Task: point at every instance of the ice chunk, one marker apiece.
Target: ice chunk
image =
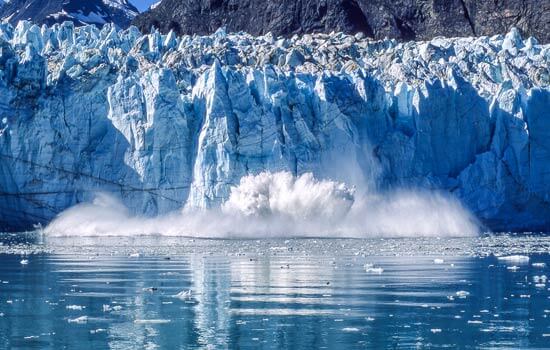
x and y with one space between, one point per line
75 307
515 258
370 268
81 319
183 295
151 321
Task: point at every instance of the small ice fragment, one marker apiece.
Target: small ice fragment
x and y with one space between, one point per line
1 314
462 294
513 268
106 308
99 330
540 285
80 320
350 329
539 265
439 261
31 337
4 120
540 279
152 321
24 262
435 330
515 258
369 268
475 322
183 295
74 307
117 308
134 255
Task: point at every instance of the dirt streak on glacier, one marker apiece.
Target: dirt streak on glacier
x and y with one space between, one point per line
164 122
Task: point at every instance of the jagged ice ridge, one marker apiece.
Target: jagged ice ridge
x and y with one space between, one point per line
165 122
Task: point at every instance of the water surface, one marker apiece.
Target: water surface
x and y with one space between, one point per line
181 293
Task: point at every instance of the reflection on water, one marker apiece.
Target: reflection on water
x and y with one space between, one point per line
298 294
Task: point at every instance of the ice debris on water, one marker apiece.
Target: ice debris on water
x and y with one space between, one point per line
75 307
370 268
24 262
183 295
539 265
152 321
515 258
81 319
462 294
350 329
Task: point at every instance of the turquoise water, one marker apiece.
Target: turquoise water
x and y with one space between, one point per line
180 293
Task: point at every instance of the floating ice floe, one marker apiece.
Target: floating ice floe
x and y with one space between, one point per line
152 321
350 329
183 295
81 319
75 307
370 268
515 258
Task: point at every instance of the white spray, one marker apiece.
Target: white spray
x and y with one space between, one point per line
282 205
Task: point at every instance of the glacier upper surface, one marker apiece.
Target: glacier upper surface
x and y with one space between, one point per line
165 122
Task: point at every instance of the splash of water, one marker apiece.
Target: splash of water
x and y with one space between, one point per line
281 205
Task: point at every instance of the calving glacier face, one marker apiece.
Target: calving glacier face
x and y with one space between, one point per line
166 122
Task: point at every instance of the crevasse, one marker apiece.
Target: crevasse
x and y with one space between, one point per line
165 122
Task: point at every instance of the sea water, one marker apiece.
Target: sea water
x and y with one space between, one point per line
183 293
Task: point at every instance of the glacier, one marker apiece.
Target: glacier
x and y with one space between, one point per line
164 122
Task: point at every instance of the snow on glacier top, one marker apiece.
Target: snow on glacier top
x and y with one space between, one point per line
484 61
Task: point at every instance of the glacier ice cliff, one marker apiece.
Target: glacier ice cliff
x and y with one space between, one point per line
164 122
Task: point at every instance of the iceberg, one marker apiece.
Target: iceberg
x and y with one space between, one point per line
163 122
